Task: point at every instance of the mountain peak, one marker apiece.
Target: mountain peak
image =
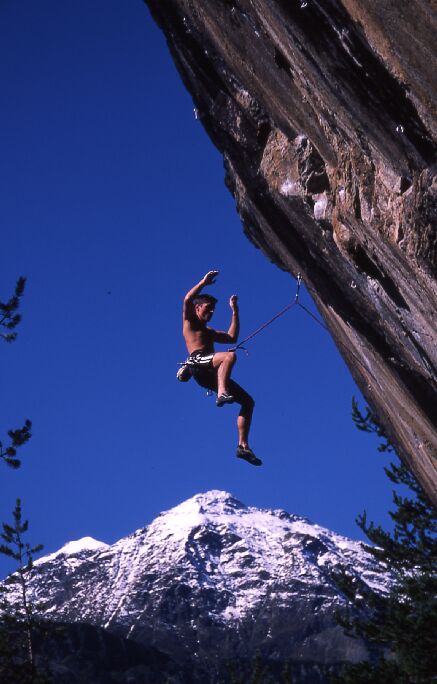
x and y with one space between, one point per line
75 547
217 499
192 582
196 511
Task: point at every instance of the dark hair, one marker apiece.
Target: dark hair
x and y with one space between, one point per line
203 299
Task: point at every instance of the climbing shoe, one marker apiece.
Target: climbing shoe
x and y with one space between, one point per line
224 399
247 455
184 373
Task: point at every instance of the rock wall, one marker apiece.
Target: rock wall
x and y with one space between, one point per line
324 112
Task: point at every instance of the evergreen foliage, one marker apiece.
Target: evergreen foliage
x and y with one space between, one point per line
9 318
17 664
18 622
402 625
369 423
17 438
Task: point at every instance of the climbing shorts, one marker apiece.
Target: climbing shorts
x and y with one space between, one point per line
199 360
198 365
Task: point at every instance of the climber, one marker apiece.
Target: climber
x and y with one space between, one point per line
211 369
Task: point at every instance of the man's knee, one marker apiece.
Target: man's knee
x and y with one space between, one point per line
231 357
241 396
248 403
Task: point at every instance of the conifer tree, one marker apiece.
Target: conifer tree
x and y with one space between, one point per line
402 623
9 319
18 614
16 625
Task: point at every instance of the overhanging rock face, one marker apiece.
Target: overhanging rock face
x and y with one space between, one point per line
324 113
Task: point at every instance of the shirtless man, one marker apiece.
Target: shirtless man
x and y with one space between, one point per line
213 369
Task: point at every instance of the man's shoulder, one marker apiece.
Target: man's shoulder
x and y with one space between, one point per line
188 304
192 324
190 320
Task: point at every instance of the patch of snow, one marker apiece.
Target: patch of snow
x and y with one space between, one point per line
73 548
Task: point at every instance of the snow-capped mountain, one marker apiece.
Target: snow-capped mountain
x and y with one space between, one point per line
212 579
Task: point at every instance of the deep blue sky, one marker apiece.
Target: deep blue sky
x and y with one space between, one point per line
113 205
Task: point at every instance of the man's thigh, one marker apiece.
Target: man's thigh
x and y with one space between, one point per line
218 358
206 377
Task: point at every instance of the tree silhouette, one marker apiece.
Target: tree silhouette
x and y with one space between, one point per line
18 609
402 624
9 319
17 662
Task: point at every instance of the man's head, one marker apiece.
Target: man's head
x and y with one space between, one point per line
204 306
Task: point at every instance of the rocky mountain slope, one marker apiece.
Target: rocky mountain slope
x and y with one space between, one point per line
210 581
325 113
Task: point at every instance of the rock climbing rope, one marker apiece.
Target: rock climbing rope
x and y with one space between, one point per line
296 302
241 344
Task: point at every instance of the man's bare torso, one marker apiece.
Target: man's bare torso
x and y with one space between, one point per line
198 336
198 312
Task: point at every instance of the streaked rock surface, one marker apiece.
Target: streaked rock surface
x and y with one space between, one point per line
325 113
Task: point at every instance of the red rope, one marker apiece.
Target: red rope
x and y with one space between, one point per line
264 325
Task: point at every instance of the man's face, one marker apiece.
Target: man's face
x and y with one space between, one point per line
204 311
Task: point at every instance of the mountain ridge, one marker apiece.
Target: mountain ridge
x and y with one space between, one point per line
212 580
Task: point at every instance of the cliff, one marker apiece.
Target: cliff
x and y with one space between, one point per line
324 114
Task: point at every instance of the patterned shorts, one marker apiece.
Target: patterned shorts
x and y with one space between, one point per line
200 360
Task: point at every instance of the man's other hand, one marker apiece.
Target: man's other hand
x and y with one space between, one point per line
233 303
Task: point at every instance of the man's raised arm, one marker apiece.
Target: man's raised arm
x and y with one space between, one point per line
234 328
208 279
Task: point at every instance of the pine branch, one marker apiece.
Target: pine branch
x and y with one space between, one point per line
369 423
9 318
17 438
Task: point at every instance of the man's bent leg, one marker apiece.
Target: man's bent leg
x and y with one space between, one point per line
224 362
243 423
244 419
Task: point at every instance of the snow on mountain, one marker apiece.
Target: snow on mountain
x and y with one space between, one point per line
212 577
74 548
